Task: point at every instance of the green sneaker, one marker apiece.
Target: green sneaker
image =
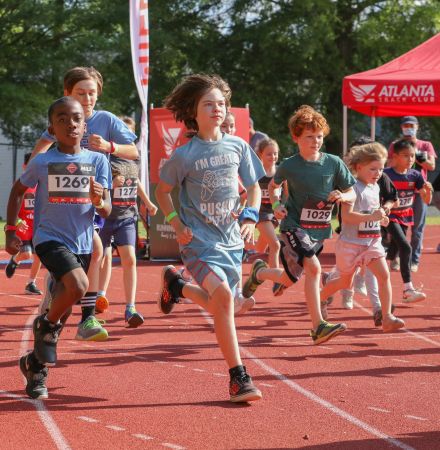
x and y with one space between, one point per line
252 283
91 330
326 331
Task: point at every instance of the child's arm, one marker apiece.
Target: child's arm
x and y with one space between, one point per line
163 197
151 207
426 192
253 201
42 146
100 198
126 151
347 196
279 209
355 218
13 242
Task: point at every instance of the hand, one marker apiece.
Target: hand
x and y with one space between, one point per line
152 210
96 191
385 221
335 196
247 231
184 234
280 212
22 227
378 215
96 142
13 243
118 181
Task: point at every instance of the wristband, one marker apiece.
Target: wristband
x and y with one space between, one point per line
10 228
276 204
114 148
100 205
249 213
171 216
19 221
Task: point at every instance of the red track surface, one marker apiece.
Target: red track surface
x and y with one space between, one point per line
164 385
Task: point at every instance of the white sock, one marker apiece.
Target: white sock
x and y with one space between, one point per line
407 286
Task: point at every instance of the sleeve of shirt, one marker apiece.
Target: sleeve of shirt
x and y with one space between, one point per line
343 178
420 181
430 149
29 177
173 172
280 176
120 133
250 168
387 190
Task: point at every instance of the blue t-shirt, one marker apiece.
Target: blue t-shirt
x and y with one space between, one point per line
207 174
104 124
63 210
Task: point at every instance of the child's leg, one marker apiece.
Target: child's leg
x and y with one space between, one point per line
105 271
398 234
22 256
128 262
340 281
379 269
95 263
372 289
35 267
267 231
261 244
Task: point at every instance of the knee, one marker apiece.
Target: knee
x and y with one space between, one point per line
275 245
79 287
312 267
223 298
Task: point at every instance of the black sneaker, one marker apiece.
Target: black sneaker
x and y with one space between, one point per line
166 300
10 268
45 340
31 288
242 389
377 316
35 381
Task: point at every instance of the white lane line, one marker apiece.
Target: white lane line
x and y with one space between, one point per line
315 398
115 428
415 417
400 360
375 356
173 446
266 384
87 419
178 365
144 437
378 409
217 374
199 370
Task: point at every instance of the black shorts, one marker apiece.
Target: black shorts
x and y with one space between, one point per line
59 260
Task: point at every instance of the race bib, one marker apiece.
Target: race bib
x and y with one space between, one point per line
29 201
369 229
316 214
69 182
126 195
406 199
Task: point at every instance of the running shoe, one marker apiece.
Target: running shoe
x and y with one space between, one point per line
392 323
31 288
395 264
35 381
414 267
132 317
10 268
326 331
166 300
347 298
101 304
242 389
377 316
45 340
252 283
278 289
242 304
91 330
413 296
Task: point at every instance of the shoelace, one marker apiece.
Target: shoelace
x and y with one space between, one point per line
91 323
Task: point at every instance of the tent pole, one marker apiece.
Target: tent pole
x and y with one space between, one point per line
373 124
344 129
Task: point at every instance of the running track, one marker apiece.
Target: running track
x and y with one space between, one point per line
164 385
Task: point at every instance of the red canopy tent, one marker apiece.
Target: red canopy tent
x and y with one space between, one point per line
407 85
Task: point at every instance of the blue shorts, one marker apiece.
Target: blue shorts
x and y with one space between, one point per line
123 231
225 264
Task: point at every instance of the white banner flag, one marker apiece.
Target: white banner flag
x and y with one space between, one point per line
140 52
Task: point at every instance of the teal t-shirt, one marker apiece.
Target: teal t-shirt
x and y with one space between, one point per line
309 184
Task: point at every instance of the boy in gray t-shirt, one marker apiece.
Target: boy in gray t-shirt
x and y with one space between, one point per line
211 240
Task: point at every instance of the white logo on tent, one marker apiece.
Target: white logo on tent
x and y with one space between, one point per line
362 93
170 138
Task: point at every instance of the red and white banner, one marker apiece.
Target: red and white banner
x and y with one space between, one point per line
140 46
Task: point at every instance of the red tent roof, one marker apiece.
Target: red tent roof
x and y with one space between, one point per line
407 85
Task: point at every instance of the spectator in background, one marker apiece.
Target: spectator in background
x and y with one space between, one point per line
425 161
255 136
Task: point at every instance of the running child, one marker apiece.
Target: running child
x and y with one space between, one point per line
121 226
211 242
104 133
407 181
25 226
312 178
359 243
71 185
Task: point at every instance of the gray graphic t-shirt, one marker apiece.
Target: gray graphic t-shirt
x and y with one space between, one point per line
207 174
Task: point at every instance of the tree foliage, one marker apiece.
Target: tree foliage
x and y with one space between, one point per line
276 54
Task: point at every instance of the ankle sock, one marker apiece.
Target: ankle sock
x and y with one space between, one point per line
88 303
100 294
407 286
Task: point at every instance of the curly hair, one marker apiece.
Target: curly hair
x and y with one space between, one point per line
306 117
184 98
364 154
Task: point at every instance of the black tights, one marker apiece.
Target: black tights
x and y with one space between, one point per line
399 244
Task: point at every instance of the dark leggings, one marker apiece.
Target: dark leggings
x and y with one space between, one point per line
399 244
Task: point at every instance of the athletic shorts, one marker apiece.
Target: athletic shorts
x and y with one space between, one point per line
98 222
59 260
350 256
123 231
295 246
224 264
268 217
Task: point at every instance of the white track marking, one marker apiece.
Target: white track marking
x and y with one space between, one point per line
378 409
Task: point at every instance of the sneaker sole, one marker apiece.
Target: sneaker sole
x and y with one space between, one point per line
393 327
248 304
247 397
135 321
331 335
417 300
249 293
99 337
32 293
101 305
162 285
